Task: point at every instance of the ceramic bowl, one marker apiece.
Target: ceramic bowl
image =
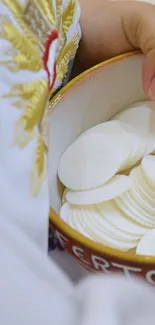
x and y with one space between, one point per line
94 97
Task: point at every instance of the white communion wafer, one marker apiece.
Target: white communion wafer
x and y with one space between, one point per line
77 223
90 162
142 193
81 221
84 227
146 245
65 211
140 181
85 222
136 147
116 186
64 196
136 144
98 222
148 169
99 234
111 212
108 227
141 116
70 215
110 127
132 210
85 219
144 204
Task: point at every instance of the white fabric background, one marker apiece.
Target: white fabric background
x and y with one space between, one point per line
68 264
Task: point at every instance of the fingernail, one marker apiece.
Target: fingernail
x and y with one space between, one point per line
151 91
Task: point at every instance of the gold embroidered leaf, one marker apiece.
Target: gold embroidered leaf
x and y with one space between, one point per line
58 11
70 48
32 98
61 41
38 171
58 4
64 57
48 9
20 62
33 113
36 107
26 30
44 126
17 11
22 137
62 70
14 6
24 91
23 63
68 15
19 104
29 56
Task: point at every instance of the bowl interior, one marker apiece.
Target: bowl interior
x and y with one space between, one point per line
96 96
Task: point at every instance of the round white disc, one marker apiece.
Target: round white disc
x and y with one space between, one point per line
113 214
116 186
146 245
90 162
100 235
64 196
132 210
144 203
110 127
140 181
104 222
148 168
140 116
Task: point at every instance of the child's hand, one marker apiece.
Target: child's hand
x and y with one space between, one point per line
111 28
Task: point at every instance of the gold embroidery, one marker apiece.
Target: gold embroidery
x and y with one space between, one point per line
33 112
63 60
58 11
65 52
24 91
68 15
25 128
61 41
32 98
38 171
19 103
28 56
37 22
17 11
14 6
48 8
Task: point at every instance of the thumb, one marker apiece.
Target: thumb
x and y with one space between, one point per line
139 27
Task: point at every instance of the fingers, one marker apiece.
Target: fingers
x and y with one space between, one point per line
110 28
138 21
139 27
149 74
102 33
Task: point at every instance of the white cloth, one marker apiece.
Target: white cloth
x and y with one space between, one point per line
28 62
34 291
